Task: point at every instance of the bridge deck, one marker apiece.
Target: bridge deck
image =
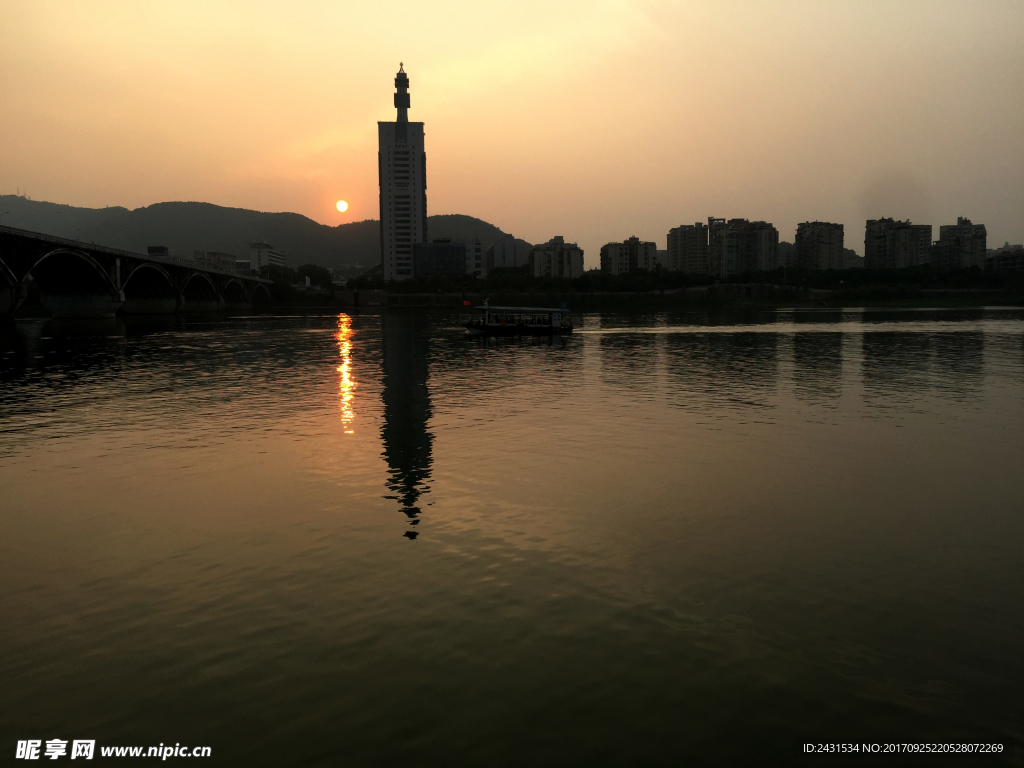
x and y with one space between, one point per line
73 278
92 247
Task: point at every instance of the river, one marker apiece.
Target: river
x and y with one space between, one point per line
670 538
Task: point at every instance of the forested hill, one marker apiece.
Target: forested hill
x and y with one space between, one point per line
189 227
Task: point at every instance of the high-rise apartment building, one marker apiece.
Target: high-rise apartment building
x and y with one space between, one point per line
961 245
629 256
556 258
716 231
402 167
738 246
893 244
738 251
688 249
876 235
819 245
766 246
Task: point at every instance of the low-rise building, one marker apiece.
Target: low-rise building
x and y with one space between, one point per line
819 245
440 257
224 262
1009 258
556 258
629 256
221 262
1005 248
263 254
438 260
474 258
502 255
851 260
163 252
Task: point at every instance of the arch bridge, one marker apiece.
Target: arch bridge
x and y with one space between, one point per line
77 279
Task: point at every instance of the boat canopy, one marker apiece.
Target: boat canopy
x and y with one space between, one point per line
522 309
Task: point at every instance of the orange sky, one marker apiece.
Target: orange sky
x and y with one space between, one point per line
593 120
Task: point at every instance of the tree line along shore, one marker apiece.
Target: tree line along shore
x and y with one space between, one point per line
913 286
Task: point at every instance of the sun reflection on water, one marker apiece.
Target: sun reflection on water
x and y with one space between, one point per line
346 384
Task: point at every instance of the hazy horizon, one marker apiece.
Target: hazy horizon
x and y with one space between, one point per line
595 122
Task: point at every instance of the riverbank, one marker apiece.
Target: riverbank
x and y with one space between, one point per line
724 294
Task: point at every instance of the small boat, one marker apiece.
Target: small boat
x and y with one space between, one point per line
520 321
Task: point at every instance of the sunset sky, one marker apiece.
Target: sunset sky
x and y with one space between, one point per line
592 120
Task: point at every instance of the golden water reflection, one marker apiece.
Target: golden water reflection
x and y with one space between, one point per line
346 384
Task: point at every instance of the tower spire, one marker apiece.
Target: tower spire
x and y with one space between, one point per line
402 94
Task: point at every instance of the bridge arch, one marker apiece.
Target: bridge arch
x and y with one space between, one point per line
200 294
74 284
145 269
259 296
67 271
234 292
149 290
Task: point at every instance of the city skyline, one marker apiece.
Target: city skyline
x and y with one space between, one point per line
275 111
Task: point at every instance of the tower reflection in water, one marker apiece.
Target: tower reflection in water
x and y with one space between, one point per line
346 384
407 442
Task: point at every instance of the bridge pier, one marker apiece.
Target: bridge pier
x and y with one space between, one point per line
10 298
12 292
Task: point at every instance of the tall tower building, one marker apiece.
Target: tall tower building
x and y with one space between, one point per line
402 166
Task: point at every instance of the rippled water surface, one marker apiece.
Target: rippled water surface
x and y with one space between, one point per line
372 540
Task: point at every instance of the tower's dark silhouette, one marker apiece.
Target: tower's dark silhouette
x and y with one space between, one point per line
402 168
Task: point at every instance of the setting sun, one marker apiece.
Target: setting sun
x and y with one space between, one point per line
342 206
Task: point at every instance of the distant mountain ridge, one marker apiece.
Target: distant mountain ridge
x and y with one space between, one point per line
189 227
